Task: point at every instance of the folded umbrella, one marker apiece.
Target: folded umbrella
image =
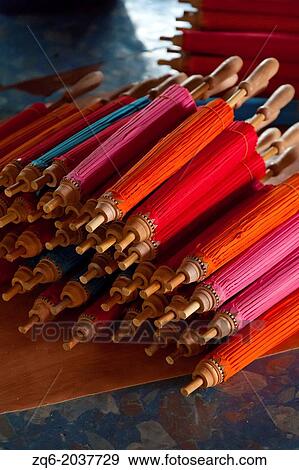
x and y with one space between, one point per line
64 164
31 159
276 284
92 321
246 268
239 229
41 311
184 196
26 133
177 149
23 118
155 121
256 339
239 21
212 43
256 6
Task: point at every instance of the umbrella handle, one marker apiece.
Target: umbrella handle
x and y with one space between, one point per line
255 82
179 78
266 139
84 85
270 110
288 139
224 71
283 161
142 88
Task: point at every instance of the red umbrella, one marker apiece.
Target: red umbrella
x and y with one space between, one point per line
238 21
211 43
22 119
281 7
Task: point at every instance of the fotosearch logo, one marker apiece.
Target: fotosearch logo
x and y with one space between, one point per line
124 331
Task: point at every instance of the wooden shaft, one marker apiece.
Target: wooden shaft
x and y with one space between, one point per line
20 251
96 222
150 290
190 309
116 298
132 287
16 188
8 218
176 281
192 386
12 292
172 358
71 344
208 335
125 242
34 281
89 275
40 182
127 262
106 244
164 319
233 100
56 241
65 303
79 222
85 245
35 216
152 349
143 316
34 319
53 204
271 152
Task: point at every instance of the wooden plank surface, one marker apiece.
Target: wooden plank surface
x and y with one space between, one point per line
37 373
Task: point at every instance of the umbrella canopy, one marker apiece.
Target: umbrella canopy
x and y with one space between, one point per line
255 340
273 286
244 44
22 119
238 230
32 154
178 201
64 164
29 131
238 21
246 268
126 146
256 6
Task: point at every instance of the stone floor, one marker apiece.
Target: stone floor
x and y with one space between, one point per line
258 409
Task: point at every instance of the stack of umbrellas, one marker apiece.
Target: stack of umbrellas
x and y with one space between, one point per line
147 211
210 29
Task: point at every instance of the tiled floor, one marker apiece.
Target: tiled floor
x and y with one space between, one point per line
258 409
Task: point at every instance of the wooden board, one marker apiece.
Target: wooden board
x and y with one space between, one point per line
40 373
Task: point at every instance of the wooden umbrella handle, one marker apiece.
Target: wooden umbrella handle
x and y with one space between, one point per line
84 85
288 139
179 78
272 107
266 139
283 161
192 82
260 77
142 88
91 81
254 83
226 69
